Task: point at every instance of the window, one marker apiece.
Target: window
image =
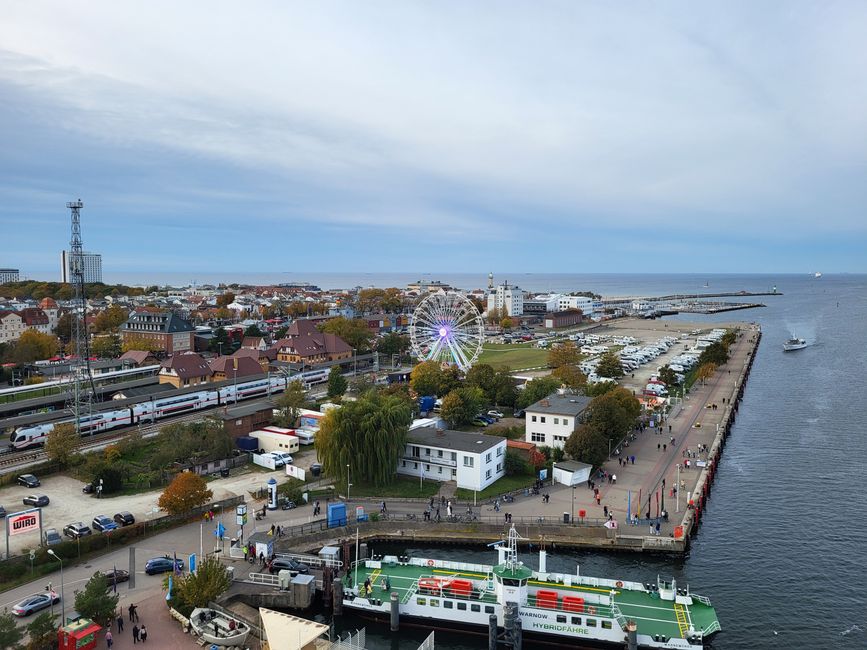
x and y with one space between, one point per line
489 609
565 422
454 456
488 457
434 602
475 608
415 465
403 463
561 618
534 418
415 452
606 625
542 419
576 620
421 601
462 605
499 451
591 622
454 473
556 420
537 437
427 451
559 438
440 453
448 604
427 468
468 461
488 474
439 470
499 467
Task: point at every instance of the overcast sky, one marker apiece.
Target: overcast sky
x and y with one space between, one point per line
460 136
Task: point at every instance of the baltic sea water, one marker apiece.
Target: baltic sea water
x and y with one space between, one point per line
783 546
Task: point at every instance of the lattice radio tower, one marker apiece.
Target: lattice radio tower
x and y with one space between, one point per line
84 391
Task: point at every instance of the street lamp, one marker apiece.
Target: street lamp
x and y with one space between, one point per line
347 482
572 514
62 600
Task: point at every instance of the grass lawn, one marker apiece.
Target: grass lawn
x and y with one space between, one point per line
517 355
505 484
402 486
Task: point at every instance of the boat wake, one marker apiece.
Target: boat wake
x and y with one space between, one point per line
854 628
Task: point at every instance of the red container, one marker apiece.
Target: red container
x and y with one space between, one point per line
573 604
461 587
547 599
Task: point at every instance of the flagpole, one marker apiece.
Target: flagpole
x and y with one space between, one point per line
356 558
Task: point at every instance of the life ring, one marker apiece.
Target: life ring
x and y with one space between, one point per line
591 609
430 562
618 584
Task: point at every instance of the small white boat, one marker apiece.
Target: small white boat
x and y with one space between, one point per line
794 343
817 274
218 628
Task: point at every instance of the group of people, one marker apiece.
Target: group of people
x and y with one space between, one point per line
139 633
367 587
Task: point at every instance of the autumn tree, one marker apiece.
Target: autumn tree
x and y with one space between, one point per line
61 443
614 413
290 403
368 435
705 371
668 376
506 323
610 365
570 376
140 343
188 490
96 601
210 580
225 299
33 345
106 347
354 331
109 320
427 378
462 405
565 354
337 383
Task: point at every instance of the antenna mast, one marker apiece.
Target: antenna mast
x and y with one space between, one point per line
84 391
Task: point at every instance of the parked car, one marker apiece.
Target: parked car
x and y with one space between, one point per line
284 455
114 576
163 565
486 418
35 603
520 413
103 524
37 500
76 530
52 537
2 512
278 459
29 481
294 566
479 422
124 518
88 488
495 414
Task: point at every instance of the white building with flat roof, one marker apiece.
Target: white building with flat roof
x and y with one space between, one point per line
473 460
510 297
91 266
551 420
8 275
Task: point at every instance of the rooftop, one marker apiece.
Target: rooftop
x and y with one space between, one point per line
555 404
455 440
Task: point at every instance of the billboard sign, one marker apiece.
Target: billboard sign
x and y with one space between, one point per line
23 522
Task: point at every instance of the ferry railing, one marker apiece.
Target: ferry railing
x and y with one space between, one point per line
264 579
618 615
310 560
704 600
710 629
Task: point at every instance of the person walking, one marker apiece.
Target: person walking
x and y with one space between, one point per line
143 633
135 634
109 639
133 612
120 622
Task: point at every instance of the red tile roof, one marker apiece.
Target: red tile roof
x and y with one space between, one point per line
236 366
304 339
188 365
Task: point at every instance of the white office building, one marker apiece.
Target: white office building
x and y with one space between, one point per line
583 303
8 275
473 460
552 420
512 298
91 262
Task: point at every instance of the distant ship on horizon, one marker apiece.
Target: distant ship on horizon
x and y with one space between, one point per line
817 274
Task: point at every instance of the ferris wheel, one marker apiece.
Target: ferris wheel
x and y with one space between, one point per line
447 327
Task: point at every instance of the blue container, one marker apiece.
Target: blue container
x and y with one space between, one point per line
247 443
336 515
426 404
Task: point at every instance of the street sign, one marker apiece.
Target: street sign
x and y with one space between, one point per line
26 521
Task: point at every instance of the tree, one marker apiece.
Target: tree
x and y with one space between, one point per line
614 413
565 354
716 353
43 632
188 490
705 371
600 388
462 405
10 633
140 343
368 435
427 378
61 443
210 580
668 376
33 345
254 331
496 314
220 341
570 376
537 389
290 403
65 326
506 323
109 320
225 299
106 347
482 376
588 445
393 343
610 365
354 331
96 602
503 391
337 383
516 464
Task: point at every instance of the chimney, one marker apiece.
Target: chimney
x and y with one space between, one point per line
545 402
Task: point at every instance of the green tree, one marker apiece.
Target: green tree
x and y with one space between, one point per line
504 392
64 327
570 376
537 389
613 414
516 464
668 376
254 331
600 388
106 347
368 435
220 341
96 601
506 323
483 376
188 490
210 580
337 383
43 632
290 403
610 365
427 378
565 354
61 443
716 353
588 445
462 405
10 633
391 344
110 320
354 331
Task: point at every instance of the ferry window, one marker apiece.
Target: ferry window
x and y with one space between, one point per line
448 604
606 625
475 608
462 605
591 622
576 620
421 601
561 618
434 602
489 609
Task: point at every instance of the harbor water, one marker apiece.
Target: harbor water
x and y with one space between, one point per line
781 548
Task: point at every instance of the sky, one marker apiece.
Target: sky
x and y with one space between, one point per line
455 136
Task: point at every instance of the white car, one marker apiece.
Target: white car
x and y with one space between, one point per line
495 414
282 458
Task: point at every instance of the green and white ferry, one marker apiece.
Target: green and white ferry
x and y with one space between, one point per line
553 608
